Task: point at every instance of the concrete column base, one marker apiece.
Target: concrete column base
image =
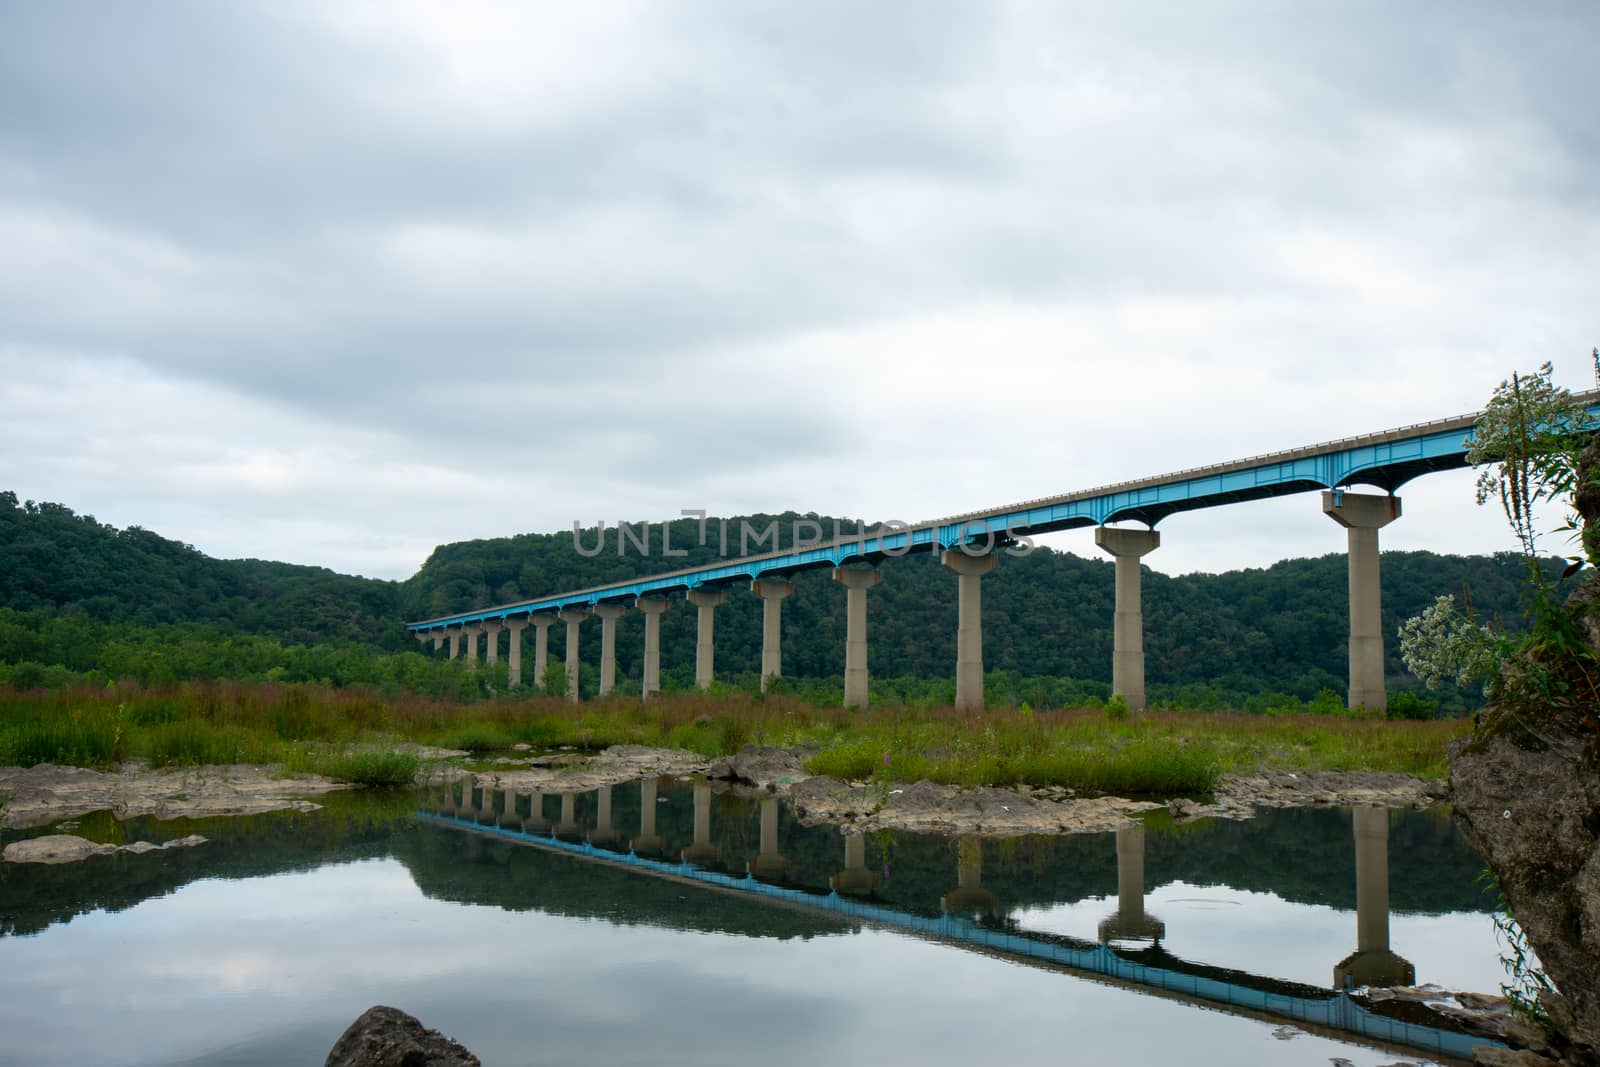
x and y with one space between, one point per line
772 593
969 624
1127 632
514 628
573 617
705 601
1363 515
609 614
856 580
652 608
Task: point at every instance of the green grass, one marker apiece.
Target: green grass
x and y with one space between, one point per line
374 767
1146 753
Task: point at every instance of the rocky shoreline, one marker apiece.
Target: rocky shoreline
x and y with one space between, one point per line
45 794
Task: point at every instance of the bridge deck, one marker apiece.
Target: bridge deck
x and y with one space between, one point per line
1386 460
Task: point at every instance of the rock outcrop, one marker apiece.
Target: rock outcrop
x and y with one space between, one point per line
388 1037
1533 813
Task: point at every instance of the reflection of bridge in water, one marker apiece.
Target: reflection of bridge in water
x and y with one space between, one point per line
1129 951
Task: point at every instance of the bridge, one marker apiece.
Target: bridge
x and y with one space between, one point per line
1127 952
970 544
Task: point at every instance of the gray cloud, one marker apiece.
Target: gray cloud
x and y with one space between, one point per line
708 252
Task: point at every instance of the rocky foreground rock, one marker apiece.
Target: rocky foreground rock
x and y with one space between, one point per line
47 793
1533 813
388 1037
69 848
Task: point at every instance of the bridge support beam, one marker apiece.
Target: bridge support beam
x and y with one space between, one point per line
573 617
469 634
1127 629
541 647
771 593
609 614
856 580
652 606
514 628
969 624
438 640
491 641
1363 515
455 643
705 602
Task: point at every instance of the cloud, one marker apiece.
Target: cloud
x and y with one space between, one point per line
381 276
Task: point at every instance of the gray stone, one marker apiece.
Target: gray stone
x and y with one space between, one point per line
388 1037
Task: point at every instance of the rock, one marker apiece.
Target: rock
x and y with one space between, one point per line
1535 818
68 848
46 794
1289 789
55 848
763 766
388 1037
1493 1056
522 746
926 807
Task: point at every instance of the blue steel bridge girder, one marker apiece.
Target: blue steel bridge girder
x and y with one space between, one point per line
1384 460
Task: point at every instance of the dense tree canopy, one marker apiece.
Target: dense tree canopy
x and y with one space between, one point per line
1280 629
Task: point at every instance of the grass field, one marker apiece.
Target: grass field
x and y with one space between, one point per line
312 728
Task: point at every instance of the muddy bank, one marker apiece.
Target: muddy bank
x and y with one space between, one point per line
47 793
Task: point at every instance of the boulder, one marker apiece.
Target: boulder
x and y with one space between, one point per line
388 1037
1533 812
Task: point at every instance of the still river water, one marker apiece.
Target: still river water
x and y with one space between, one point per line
570 930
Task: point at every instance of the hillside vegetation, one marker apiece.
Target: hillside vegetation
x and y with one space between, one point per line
80 596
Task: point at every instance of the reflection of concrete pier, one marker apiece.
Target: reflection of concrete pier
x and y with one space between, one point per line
567 825
536 822
702 851
1372 963
648 842
855 878
969 895
768 862
508 815
1130 923
603 833
486 815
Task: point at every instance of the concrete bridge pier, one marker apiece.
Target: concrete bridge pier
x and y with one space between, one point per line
1127 631
609 614
969 624
856 580
768 862
705 602
438 640
969 895
469 635
455 642
573 617
702 851
514 628
541 646
771 592
652 606
486 814
1130 922
1363 515
491 641
1373 963
648 842
855 878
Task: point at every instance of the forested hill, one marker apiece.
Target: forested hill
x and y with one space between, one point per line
1281 628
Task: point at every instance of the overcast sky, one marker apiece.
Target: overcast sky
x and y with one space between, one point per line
337 282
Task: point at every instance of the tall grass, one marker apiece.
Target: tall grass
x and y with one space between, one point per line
1151 752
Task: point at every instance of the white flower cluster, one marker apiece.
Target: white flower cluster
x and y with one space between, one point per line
1444 644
